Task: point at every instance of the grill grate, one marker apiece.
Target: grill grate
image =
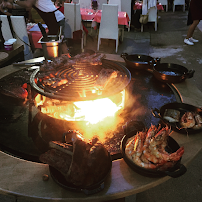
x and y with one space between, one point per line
80 79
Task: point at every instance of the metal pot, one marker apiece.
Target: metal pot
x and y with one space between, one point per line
140 61
182 107
176 171
171 73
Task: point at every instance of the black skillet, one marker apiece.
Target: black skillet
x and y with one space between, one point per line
171 73
138 61
176 171
182 107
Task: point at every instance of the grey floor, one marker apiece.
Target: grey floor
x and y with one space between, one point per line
166 43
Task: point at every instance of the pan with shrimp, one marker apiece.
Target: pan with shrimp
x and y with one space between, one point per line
182 117
153 153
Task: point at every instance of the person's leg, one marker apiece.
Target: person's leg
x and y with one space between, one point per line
192 28
189 40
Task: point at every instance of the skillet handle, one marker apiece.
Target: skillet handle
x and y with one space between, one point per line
178 172
157 60
123 55
156 113
190 73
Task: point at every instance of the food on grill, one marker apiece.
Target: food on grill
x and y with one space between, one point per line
191 120
104 77
83 163
147 149
65 61
172 115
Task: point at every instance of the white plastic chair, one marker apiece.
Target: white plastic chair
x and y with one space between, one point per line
152 17
126 7
118 2
71 24
20 31
179 2
85 3
164 3
109 24
5 28
100 2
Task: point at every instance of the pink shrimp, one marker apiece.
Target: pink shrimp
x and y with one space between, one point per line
146 151
138 147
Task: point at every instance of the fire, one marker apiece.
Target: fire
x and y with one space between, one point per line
92 111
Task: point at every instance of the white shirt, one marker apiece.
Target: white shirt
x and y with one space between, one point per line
48 6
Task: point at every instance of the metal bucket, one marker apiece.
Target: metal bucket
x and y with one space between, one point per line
51 47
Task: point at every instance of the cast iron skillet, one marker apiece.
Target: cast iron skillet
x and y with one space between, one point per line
176 171
88 190
140 61
171 73
182 107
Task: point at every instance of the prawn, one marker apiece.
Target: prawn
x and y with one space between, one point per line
138 147
158 144
187 120
146 150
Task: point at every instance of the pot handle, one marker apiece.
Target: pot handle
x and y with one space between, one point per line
157 60
123 55
156 113
190 73
178 172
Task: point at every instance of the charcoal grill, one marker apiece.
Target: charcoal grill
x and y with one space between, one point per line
81 79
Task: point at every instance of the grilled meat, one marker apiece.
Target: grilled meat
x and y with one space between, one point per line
104 77
89 159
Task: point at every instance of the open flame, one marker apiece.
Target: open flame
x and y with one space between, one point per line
91 112
93 117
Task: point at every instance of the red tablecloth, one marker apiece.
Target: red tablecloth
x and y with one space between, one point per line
90 14
139 6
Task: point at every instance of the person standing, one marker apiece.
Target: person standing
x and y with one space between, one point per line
194 17
52 17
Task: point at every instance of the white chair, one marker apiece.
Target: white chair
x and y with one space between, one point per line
126 7
100 2
72 24
164 3
109 24
85 3
118 2
5 28
179 2
152 17
20 31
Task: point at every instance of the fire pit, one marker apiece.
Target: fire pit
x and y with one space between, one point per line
38 124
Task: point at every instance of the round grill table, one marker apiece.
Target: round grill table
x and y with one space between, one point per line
23 178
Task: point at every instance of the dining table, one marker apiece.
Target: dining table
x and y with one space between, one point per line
138 6
24 179
10 56
95 16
